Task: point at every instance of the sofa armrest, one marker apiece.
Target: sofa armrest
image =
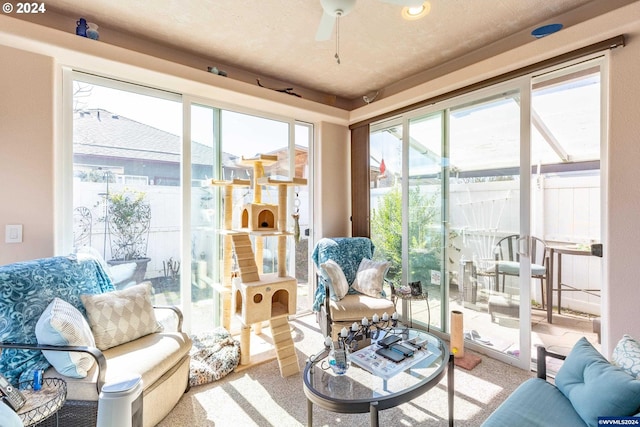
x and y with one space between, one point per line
175 309
93 351
542 361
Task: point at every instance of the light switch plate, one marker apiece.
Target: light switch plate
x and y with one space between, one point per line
13 233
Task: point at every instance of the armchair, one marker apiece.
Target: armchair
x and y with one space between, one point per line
340 309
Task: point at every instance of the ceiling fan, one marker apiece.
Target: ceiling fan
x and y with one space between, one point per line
334 9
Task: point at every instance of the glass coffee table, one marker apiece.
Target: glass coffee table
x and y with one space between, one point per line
360 391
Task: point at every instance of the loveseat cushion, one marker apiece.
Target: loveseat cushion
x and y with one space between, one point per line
535 403
26 289
354 307
150 356
595 387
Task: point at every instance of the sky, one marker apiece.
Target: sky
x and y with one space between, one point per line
242 134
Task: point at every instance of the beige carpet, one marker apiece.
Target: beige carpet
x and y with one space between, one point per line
261 397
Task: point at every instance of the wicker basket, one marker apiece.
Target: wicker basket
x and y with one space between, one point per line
43 403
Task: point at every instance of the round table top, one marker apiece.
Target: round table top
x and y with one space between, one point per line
354 391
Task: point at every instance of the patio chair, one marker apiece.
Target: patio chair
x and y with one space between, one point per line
338 308
507 262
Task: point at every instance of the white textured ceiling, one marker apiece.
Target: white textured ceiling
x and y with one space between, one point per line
276 38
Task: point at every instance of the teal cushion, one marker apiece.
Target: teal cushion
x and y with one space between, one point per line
595 387
535 403
513 268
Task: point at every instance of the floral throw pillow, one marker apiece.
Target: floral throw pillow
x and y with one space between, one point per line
626 355
370 277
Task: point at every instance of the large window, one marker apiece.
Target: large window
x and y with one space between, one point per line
136 185
126 182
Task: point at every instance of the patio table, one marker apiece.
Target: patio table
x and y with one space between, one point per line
560 249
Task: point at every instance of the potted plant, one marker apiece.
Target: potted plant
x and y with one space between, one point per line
128 216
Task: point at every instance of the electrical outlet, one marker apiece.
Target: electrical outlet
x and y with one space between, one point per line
13 233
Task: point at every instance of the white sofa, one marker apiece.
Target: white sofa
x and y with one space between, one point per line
161 358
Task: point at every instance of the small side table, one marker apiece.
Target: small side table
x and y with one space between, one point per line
409 297
43 403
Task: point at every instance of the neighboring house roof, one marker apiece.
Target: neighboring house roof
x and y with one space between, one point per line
101 133
98 132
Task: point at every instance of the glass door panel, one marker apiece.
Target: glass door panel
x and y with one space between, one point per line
300 214
127 182
245 136
484 220
386 202
426 242
206 241
566 199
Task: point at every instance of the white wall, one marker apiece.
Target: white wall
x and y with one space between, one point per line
622 295
332 199
26 153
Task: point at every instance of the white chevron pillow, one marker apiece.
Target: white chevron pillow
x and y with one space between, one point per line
121 316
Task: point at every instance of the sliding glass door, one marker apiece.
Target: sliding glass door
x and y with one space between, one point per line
487 221
491 201
447 203
205 243
138 193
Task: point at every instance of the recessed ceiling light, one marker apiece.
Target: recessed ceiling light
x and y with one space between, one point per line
413 13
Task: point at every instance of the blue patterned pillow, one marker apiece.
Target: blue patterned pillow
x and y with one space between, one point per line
626 355
26 289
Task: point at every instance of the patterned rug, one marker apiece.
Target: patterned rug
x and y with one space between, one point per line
213 355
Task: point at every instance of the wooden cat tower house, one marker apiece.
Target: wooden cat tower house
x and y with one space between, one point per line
252 296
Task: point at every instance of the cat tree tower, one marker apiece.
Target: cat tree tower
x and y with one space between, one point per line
252 296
